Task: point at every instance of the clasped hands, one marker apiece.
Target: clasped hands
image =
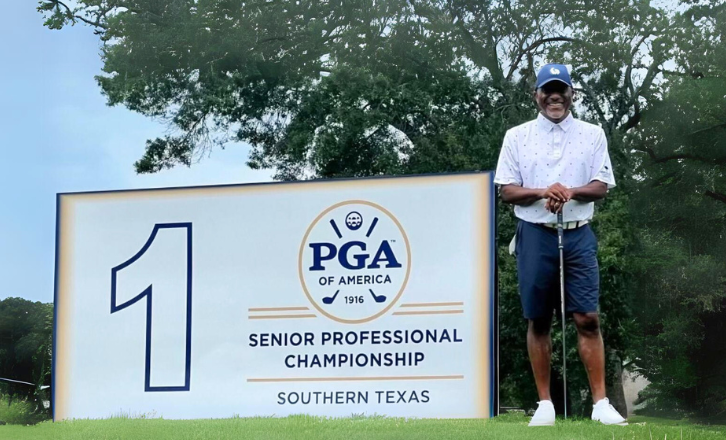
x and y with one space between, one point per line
557 195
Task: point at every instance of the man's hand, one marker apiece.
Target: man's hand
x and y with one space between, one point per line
557 195
558 192
553 206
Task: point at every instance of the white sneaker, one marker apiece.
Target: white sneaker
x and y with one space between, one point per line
605 413
545 414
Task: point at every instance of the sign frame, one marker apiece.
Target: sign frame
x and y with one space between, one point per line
494 276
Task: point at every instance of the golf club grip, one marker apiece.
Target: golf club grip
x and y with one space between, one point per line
559 229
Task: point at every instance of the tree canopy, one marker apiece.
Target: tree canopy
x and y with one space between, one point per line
313 85
681 199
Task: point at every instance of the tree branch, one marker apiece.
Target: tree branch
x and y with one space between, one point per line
695 74
635 118
716 196
596 105
663 179
483 55
648 80
687 156
69 13
534 46
71 16
722 125
96 23
267 40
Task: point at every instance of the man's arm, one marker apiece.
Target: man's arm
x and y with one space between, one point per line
557 194
518 195
591 192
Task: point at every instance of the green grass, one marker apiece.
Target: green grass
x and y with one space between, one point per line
509 426
18 413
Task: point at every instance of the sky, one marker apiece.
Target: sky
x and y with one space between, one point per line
58 135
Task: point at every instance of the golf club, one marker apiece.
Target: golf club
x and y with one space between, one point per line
562 304
377 298
330 299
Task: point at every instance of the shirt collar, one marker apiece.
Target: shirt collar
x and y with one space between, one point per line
547 125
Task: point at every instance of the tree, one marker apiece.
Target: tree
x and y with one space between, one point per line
683 142
311 84
681 213
26 341
681 326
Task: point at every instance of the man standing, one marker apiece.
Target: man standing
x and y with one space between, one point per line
551 164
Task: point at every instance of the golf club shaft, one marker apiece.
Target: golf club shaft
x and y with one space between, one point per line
560 234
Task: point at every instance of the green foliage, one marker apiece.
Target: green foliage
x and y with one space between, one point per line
20 412
680 210
359 87
682 320
682 280
26 342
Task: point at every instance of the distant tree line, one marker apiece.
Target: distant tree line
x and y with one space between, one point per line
26 344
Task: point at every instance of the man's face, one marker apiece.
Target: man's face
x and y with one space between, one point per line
554 100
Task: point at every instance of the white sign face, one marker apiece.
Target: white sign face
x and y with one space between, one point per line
367 296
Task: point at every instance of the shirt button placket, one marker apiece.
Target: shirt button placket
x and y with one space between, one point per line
557 144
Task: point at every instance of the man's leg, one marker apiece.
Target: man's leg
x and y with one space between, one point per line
582 285
592 354
537 259
592 351
539 346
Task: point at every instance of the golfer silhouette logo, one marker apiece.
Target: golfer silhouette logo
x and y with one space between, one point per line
354 261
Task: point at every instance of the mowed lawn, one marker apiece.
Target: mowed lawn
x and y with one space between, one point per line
305 427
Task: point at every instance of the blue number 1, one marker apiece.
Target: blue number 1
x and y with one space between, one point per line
147 293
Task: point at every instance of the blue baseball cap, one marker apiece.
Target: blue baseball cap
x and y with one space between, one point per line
553 72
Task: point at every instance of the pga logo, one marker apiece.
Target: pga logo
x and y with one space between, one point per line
354 261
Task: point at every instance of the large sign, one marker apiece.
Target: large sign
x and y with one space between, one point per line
366 296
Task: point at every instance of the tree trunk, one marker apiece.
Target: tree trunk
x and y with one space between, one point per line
614 382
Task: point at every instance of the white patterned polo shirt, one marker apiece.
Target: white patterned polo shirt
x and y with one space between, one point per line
538 153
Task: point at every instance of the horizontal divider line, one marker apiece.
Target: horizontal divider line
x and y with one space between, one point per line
431 312
281 316
356 379
441 304
275 309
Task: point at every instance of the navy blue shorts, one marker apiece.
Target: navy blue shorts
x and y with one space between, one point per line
538 270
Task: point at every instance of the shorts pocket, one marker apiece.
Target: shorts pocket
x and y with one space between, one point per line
594 245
